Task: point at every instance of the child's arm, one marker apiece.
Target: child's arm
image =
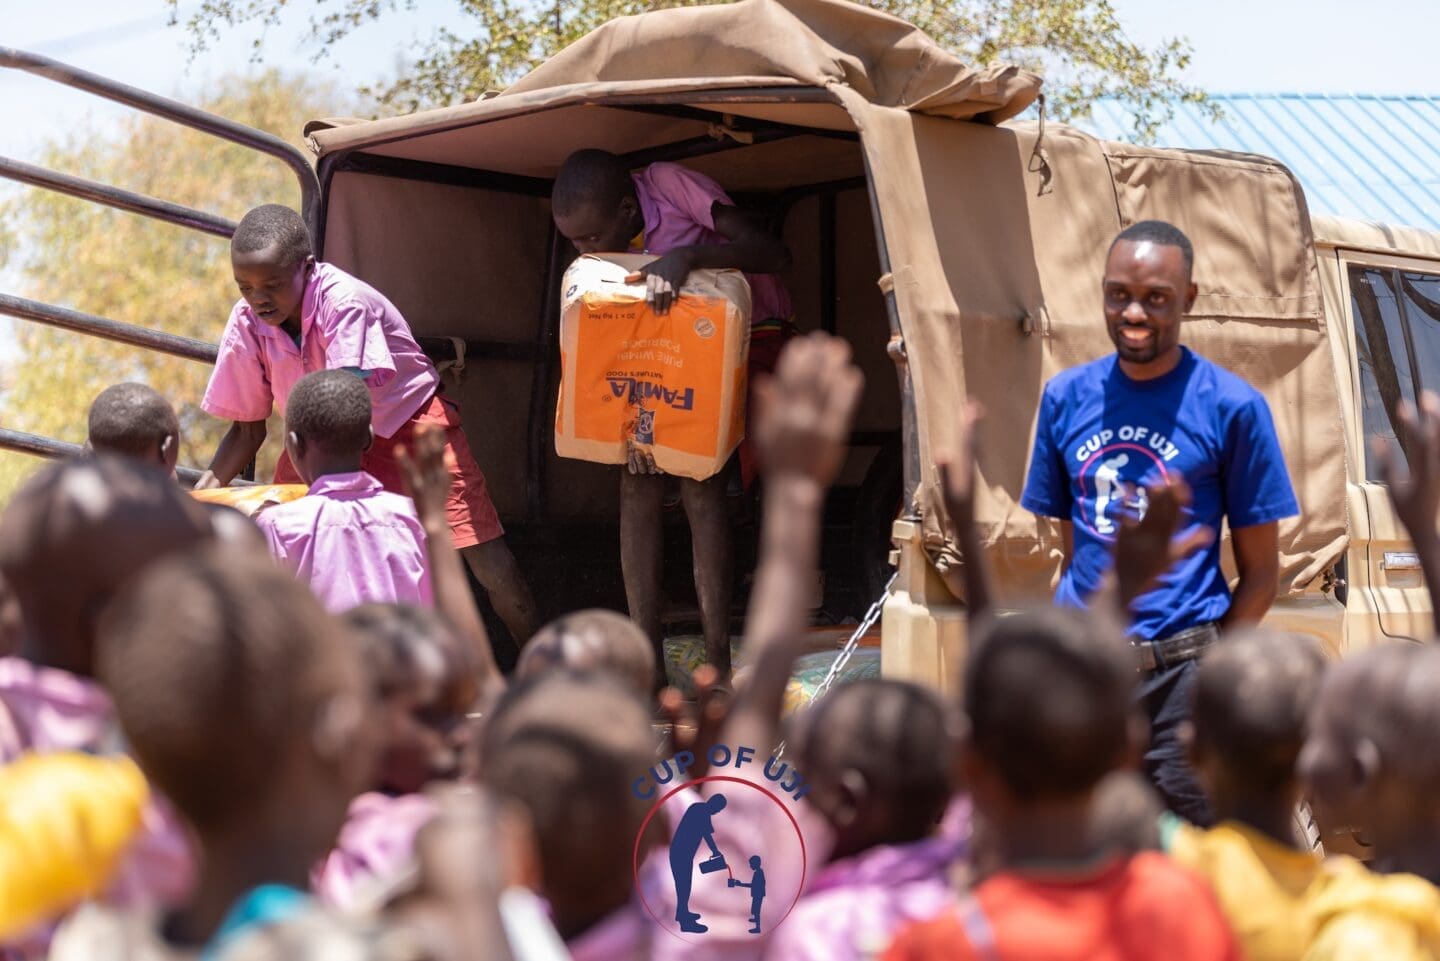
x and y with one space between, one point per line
802 430
427 481
752 249
1147 548
1417 497
957 480
237 449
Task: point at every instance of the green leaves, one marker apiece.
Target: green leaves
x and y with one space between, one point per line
1079 46
141 271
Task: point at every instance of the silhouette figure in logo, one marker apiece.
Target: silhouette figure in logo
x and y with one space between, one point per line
1108 489
756 884
695 826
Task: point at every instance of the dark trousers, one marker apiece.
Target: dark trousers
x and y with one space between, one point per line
1165 694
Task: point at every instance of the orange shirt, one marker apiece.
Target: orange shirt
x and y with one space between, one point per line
1130 909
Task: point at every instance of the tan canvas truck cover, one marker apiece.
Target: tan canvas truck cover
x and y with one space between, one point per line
995 236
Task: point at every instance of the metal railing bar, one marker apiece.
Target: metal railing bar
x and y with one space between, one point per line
177 112
63 317
52 449
116 197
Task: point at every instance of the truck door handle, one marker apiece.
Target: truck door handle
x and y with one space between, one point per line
1400 561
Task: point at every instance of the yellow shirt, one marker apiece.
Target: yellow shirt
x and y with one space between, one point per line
1361 916
1263 886
65 820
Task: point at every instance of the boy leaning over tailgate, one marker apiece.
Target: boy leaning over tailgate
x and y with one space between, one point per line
297 315
687 220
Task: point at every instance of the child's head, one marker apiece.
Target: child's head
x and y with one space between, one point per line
271 257
1049 699
594 202
1253 697
132 420
73 535
422 682
243 701
594 639
1126 813
1368 759
545 750
879 756
327 424
755 862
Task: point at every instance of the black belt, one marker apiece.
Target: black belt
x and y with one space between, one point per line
1177 648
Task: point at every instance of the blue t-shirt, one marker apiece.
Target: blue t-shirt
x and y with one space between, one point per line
1101 437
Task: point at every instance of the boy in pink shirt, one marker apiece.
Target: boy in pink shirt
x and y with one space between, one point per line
297 316
690 222
353 541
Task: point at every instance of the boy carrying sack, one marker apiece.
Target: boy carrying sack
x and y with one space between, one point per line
690 223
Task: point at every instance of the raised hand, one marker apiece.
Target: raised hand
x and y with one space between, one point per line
1147 547
802 426
425 475
1416 497
802 430
957 486
697 729
957 467
427 480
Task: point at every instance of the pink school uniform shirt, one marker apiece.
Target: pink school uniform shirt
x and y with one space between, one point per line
858 904
344 322
375 848
353 541
676 203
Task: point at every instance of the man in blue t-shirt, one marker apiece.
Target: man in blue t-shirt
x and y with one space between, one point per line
1154 409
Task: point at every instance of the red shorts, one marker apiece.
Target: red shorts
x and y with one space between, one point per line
471 514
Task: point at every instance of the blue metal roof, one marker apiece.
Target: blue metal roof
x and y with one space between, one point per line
1364 156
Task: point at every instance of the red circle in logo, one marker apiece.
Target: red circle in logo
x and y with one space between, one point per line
640 836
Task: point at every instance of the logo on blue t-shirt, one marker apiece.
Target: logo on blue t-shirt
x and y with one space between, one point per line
1115 468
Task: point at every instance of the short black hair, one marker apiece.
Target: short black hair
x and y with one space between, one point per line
1048 693
391 637
1159 232
567 746
217 662
595 639
588 177
55 522
1390 695
273 225
897 735
131 420
1253 697
330 409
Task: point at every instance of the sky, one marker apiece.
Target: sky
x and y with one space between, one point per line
1311 46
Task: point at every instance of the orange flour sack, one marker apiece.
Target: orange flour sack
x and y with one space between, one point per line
673 385
252 500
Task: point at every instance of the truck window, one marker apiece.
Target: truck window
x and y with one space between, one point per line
1420 303
1387 370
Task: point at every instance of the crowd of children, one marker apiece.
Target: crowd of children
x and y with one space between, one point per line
288 738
